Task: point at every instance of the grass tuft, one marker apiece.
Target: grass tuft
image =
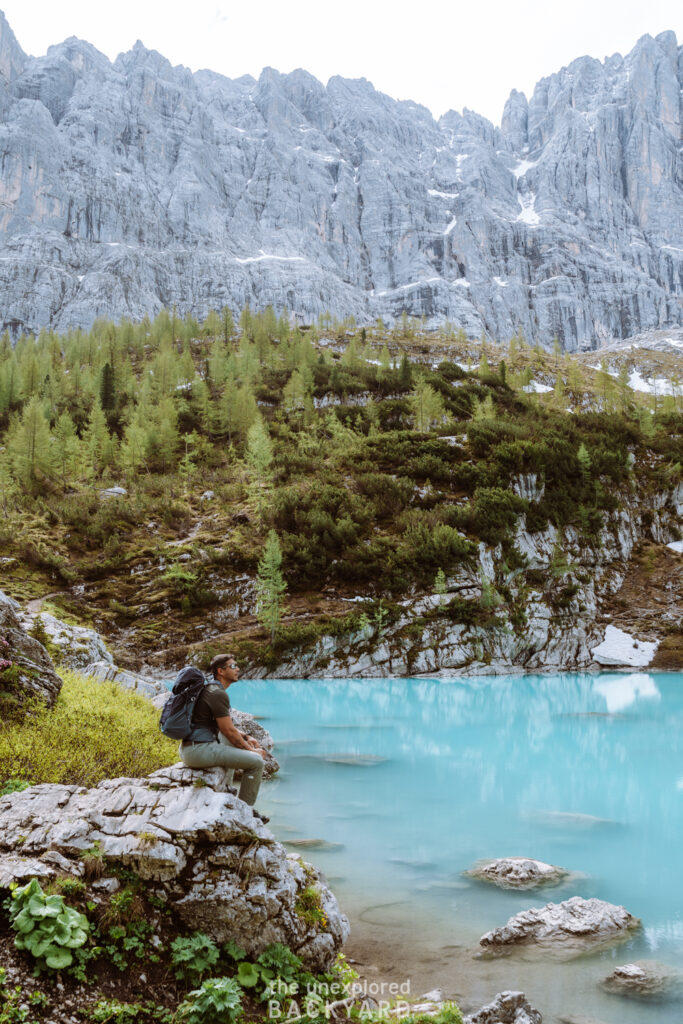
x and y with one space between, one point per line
95 731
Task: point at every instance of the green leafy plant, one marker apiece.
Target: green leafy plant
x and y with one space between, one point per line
12 1003
46 927
449 1014
123 941
309 907
69 886
119 908
193 957
233 951
14 786
218 1001
111 1011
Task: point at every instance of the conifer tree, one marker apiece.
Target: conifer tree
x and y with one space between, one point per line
162 436
583 459
107 389
133 454
405 373
270 586
98 442
427 406
228 324
259 457
31 452
66 448
245 411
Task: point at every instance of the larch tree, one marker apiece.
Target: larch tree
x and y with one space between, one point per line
270 586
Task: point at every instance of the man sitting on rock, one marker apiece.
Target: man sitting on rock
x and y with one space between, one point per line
215 741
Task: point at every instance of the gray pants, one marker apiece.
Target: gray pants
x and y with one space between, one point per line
223 755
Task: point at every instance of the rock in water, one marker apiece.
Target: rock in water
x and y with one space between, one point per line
517 872
133 185
506 1008
31 674
200 848
569 926
644 980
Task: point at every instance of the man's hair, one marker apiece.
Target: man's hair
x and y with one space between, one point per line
218 662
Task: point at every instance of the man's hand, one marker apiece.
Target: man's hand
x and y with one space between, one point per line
254 744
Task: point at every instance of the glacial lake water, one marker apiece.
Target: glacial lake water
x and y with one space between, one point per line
408 782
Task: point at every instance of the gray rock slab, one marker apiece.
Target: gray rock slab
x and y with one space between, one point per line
198 846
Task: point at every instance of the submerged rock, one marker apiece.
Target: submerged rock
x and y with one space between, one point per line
571 925
644 980
506 1008
517 872
198 847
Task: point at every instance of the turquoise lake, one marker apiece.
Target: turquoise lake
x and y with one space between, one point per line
409 781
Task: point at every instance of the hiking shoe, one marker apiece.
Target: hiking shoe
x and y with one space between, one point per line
261 817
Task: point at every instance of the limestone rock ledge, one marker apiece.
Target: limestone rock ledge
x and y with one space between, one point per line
569 927
197 846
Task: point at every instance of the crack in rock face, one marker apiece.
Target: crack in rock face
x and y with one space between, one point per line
194 844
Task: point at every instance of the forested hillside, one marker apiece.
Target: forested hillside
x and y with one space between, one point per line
376 462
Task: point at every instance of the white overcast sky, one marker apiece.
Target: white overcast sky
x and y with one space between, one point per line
442 54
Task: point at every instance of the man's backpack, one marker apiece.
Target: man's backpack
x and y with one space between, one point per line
176 715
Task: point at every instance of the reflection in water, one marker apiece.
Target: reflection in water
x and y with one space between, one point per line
417 779
622 691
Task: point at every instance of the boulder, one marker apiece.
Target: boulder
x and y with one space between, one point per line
74 646
570 926
645 980
197 846
506 1008
248 724
517 872
30 673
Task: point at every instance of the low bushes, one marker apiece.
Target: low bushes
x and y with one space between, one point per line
95 731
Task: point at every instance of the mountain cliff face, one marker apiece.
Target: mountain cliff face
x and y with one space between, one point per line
132 185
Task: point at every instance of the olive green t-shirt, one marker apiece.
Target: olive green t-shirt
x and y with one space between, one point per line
212 703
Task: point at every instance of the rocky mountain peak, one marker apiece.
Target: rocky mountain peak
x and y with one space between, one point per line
131 186
12 57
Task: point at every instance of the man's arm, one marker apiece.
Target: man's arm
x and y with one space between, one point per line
234 736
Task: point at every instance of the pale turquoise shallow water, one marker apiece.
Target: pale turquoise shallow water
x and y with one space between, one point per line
579 770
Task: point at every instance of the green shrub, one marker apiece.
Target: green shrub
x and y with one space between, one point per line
111 1011
14 786
95 731
450 1014
193 957
218 1001
47 928
494 513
